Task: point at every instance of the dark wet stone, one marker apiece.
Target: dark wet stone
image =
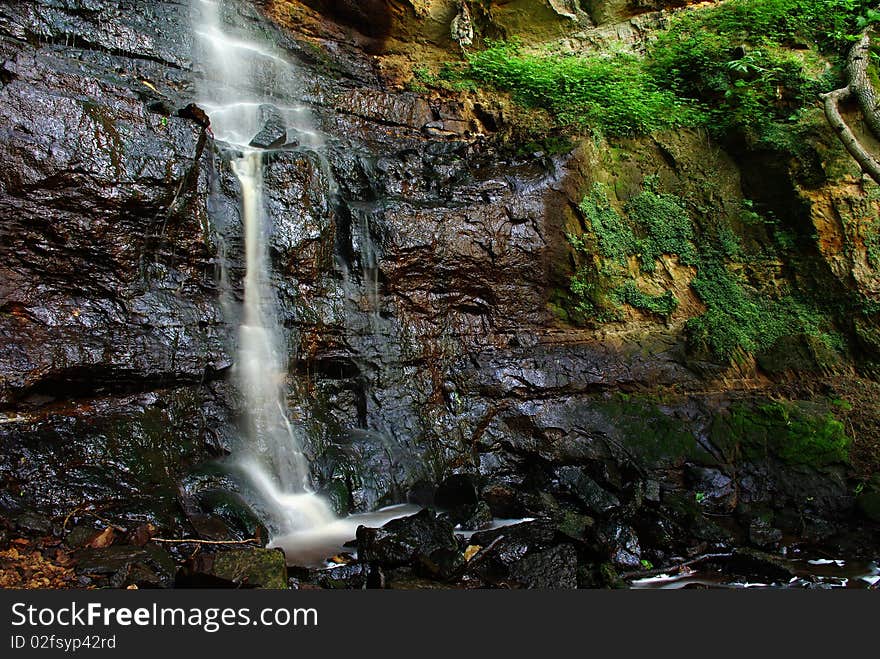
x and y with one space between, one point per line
344 577
423 541
236 568
456 491
763 534
274 129
530 554
126 565
550 568
590 494
622 545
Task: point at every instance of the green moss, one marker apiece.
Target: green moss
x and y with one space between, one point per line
252 568
666 226
795 433
614 237
650 436
610 93
737 321
662 305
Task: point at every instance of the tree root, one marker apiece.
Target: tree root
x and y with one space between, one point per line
858 86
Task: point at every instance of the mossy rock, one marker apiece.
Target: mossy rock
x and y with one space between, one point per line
789 353
253 568
234 511
795 433
652 437
868 504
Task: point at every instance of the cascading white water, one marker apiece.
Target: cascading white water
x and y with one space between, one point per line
271 456
242 79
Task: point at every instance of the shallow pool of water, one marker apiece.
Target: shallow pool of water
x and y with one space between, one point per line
807 573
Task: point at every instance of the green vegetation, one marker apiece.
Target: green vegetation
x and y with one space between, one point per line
747 67
736 322
667 225
612 93
661 305
739 322
794 433
662 221
755 66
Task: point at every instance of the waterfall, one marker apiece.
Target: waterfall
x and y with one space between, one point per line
242 80
247 91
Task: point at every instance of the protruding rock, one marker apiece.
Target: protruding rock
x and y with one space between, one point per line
273 133
423 541
587 491
530 555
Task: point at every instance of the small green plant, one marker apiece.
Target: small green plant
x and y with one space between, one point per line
700 497
646 564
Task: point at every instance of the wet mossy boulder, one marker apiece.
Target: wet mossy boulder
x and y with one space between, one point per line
792 432
258 568
248 567
868 502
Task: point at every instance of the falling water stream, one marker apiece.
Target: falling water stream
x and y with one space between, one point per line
247 81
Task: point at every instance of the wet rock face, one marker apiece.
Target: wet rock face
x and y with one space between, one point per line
370 17
412 261
95 292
